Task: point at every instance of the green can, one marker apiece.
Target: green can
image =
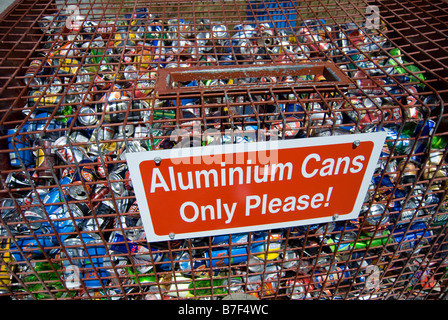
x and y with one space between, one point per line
143 278
206 287
408 70
362 243
46 274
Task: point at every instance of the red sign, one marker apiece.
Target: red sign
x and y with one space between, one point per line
223 189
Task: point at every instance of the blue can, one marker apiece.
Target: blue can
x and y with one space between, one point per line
220 256
387 182
61 219
294 107
139 13
425 128
408 239
187 101
53 199
403 78
236 239
159 55
44 125
166 263
355 55
31 245
155 35
19 142
188 265
226 60
396 92
119 244
96 250
329 277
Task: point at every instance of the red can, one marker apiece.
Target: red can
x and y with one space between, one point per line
300 287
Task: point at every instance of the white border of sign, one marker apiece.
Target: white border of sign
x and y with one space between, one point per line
134 160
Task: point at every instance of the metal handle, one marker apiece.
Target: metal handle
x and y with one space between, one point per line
168 79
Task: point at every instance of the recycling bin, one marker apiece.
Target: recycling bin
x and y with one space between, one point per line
86 83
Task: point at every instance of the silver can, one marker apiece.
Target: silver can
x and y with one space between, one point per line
130 72
78 137
106 133
72 262
87 116
375 216
55 86
219 32
67 152
78 192
115 177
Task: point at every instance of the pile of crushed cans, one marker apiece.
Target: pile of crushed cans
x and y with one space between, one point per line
72 227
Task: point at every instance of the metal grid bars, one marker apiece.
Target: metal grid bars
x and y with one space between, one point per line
83 83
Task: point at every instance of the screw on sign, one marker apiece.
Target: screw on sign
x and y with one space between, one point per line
105 80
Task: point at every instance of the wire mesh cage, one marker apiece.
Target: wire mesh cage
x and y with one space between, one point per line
83 83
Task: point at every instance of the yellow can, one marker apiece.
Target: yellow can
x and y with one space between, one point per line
5 275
